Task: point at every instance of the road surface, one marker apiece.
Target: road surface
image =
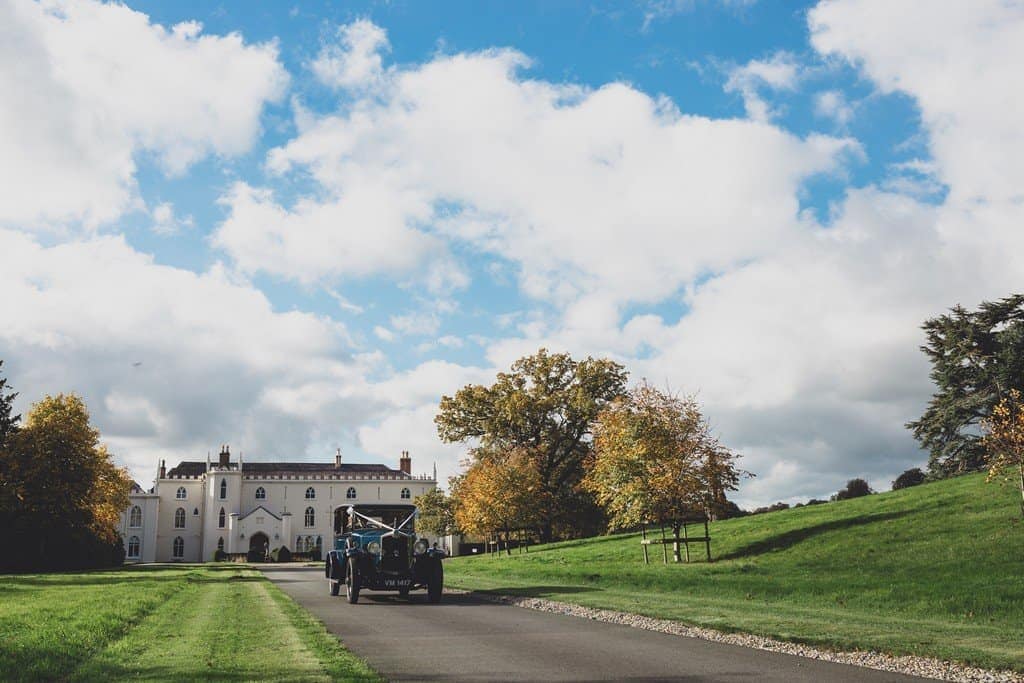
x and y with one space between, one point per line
467 639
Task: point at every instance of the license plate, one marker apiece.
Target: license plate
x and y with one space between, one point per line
397 583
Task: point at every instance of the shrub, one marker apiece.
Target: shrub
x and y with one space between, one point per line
219 555
855 488
281 554
315 554
909 478
254 555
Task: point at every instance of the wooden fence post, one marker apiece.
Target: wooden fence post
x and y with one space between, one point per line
707 538
643 542
664 544
686 537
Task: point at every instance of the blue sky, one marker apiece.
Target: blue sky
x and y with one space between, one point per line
308 221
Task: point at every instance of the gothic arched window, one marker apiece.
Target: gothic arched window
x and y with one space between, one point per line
406 493
220 518
135 517
310 517
261 493
351 493
133 546
220 544
179 518
310 493
223 489
181 493
178 549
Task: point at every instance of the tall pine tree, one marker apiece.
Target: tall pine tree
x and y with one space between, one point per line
977 357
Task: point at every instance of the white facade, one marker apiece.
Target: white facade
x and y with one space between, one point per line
196 508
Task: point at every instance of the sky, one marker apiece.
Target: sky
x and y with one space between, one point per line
294 227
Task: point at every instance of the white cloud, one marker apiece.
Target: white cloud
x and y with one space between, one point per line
605 190
780 72
833 104
171 360
383 333
960 62
353 61
99 84
165 222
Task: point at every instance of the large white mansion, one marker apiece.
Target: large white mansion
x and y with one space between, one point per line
196 508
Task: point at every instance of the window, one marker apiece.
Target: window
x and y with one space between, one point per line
319 542
310 517
223 489
351 493
310 493
179 518
196 512
181 494
299 547
220 544
220 518
178 549
261 493
406 494
135 517
133 546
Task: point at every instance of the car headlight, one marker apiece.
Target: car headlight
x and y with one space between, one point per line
419 547
374 547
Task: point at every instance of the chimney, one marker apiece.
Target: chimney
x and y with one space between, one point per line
337 459
405 463
225 456
162 473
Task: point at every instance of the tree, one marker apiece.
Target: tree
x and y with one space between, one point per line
543 409
66 495
656 461
855 488
497 494
436 514
1004 441
977 357
912 477
8 421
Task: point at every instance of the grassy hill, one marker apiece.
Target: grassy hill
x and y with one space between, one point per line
936 570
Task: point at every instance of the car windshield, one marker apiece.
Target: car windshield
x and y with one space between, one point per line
390 515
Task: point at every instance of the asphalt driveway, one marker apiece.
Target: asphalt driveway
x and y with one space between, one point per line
467 639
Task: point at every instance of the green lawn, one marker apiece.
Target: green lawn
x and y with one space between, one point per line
936 570
211 622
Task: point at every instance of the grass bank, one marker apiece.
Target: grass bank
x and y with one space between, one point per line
936 570
206 622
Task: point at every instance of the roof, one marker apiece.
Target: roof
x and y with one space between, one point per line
258 509
194 468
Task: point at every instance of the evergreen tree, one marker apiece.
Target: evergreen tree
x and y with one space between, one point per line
977 357
8 422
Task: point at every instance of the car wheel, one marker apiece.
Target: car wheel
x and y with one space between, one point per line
335 587
352 582
436 584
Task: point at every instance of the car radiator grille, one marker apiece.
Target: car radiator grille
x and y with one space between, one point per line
395 554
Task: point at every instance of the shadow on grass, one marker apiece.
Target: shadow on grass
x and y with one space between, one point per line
790 538
564 545
281 671
537 591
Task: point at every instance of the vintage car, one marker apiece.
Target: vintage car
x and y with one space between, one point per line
376 548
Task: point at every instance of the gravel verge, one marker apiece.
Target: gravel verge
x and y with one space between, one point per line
914 666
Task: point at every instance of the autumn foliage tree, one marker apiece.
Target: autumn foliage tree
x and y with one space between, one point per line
542 409
656 461
1004 441
64 495
500 492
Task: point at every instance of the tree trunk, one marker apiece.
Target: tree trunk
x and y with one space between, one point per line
675 544
1020 468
